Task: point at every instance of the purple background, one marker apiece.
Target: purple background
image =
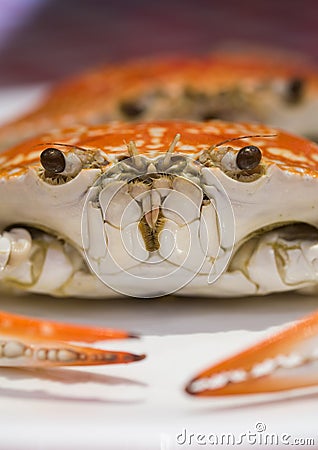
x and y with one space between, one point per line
46 40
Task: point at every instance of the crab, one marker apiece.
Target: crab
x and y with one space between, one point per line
265 87
148 209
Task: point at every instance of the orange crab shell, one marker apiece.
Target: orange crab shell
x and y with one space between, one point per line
93 97
209 73
291 153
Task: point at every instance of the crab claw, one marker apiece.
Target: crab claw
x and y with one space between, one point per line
29 342
287 360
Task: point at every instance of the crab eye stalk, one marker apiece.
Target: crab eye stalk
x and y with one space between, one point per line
53 160
248 157
60 165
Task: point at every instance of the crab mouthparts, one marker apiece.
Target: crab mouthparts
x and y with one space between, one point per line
153 211
158 227
151 217
150 227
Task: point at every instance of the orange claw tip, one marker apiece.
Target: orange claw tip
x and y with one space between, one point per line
133 336
287 360
130 357
42 329
97 357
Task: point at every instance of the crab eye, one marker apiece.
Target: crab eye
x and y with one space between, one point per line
248 157
53 160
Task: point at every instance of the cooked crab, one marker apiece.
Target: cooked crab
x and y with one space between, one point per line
147 209
280 91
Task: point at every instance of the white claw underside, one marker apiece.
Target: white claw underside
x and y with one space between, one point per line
282 361
16 353
57 262
5 249
288 263
280 366
15 247
306 256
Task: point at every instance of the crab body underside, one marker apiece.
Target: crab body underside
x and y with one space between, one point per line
129 215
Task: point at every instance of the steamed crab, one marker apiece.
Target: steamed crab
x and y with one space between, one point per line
148 209
160 201
213 208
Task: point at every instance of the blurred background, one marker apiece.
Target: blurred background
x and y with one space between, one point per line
45 40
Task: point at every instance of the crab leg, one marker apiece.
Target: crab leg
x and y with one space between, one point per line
42 343
287 360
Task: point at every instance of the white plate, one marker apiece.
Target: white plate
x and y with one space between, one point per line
142 405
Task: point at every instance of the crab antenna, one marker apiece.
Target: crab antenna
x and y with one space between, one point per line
240 137
133 153
171 149
64 145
